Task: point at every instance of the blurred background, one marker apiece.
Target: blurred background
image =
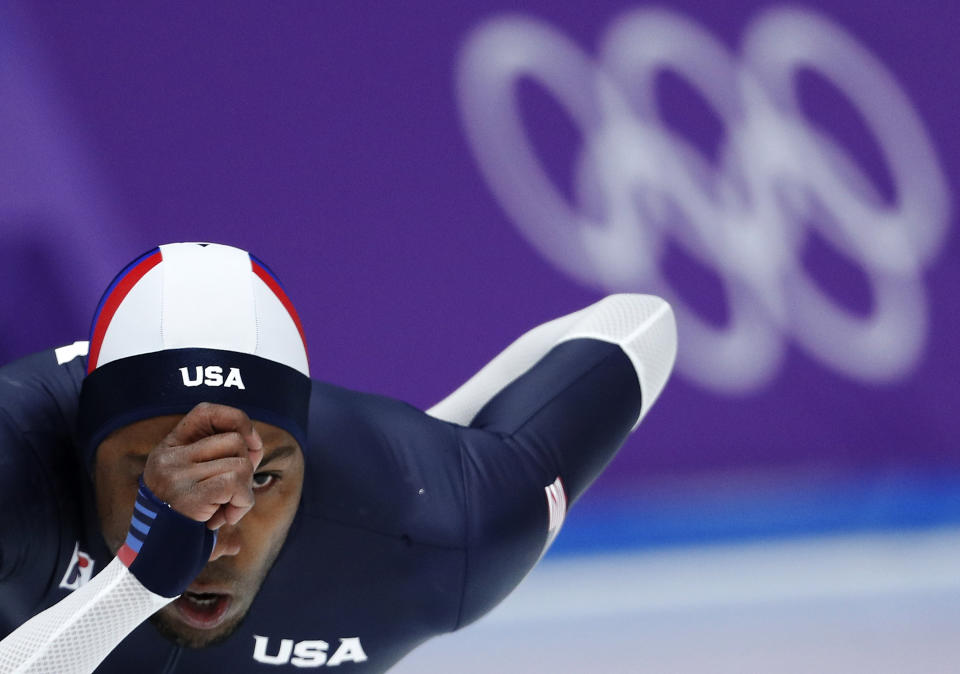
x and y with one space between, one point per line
430 180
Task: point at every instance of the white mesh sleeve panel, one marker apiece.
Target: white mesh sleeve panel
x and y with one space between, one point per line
462 405
76 634
642 325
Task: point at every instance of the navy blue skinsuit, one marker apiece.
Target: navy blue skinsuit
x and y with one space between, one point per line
409 526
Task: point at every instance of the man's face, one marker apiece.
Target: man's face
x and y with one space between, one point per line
219 598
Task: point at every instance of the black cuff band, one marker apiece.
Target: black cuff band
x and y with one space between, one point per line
164 549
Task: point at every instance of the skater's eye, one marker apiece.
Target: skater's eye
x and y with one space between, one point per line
262 481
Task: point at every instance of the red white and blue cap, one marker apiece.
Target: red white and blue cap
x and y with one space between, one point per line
191 322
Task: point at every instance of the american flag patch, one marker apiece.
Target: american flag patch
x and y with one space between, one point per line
556 508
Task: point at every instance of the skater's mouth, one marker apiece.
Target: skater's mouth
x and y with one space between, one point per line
203 610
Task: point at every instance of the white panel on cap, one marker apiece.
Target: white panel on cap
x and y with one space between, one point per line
278 338
135 327
207 298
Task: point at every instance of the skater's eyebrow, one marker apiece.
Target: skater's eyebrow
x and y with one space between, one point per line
278 453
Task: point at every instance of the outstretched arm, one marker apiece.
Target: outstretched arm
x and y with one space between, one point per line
641 325
545 418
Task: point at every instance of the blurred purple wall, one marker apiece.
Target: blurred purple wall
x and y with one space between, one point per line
432 179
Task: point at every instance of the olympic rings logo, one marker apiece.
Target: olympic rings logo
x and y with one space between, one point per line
746 216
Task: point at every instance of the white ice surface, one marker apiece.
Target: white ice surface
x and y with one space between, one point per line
858 603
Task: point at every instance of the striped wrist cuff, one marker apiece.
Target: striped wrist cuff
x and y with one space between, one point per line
164 549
